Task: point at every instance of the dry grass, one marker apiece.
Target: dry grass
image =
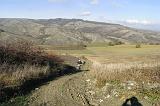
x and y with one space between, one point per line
21 61
17 75
146 72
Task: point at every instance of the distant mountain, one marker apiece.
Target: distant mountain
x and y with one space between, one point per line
72 31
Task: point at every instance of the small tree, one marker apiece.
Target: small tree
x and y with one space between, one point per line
138 45
118 42
111 44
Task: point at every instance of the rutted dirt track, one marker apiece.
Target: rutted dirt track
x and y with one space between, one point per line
65 91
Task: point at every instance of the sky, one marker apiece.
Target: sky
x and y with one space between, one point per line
135 13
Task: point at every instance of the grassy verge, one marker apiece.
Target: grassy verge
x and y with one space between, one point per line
146 72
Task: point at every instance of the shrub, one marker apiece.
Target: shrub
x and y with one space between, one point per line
154 43
22 52
21 60
151 44
111 44
117 42
157 43
138 45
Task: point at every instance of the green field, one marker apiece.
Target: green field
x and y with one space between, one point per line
116 54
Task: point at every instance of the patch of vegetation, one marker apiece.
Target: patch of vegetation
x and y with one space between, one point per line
153 95
17 101
111 44
114 82
154 43
126 72
138 45
100 82
64 47
115 42
23 65
70 47
98 44
118 42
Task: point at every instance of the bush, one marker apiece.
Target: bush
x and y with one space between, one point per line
157 43
21 60
111 44
22 52
115 42
138 45
154 43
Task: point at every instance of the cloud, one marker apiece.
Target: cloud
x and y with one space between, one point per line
86 13
134 21
141 24
94 1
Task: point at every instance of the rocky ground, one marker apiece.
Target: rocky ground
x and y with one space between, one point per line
80 90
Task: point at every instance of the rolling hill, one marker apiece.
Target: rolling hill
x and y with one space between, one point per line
71 31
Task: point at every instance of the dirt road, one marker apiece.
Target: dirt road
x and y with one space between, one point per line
65 91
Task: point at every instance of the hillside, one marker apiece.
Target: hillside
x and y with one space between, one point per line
71 31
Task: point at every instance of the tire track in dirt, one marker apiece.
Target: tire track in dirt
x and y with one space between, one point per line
68 90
